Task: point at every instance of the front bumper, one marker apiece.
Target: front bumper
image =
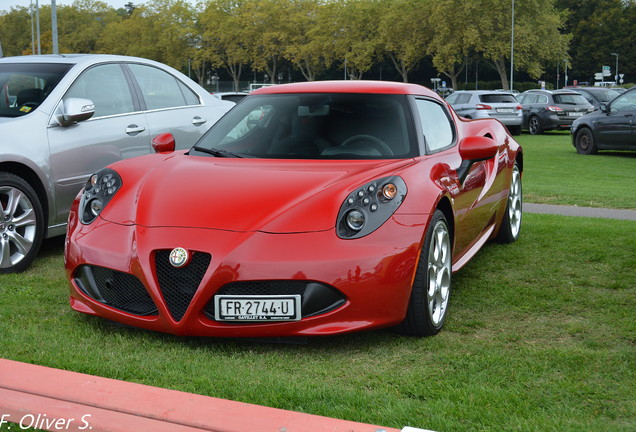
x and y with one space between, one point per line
115 272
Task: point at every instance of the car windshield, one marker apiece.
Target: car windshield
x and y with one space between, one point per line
24 86
314 126
570 99
497 98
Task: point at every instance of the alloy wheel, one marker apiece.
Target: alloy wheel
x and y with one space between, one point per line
18 226
439 273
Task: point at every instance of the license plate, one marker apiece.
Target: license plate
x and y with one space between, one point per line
575 114
257 308
505 110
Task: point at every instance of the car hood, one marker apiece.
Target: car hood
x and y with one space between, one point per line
267 195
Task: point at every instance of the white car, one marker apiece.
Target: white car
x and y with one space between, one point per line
63 117
501 105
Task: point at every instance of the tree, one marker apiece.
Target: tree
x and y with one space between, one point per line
354 31
405 33
266 30
15 31
599 28
485 27
223 39
162 30
308 37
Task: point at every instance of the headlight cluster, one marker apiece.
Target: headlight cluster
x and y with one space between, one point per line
369 206
98 191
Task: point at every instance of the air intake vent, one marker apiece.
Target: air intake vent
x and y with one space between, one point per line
178 285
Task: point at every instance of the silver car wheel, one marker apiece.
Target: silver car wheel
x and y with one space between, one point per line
439 273
514 202
18 226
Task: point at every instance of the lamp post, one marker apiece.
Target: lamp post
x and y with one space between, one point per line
37 24
512 46
616 70
56 49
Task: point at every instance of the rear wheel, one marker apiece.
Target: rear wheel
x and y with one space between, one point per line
584 142
534 126
511 223
428 304
21 223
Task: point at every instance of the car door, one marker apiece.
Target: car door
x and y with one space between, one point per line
116 131
616 127
473 189
171 106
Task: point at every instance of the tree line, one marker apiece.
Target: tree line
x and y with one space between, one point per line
317 37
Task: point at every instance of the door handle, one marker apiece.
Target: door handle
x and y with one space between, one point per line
133 129
198 121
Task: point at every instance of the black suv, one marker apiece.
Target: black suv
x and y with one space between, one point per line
549 110
597 95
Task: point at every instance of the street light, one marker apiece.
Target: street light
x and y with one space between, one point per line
616 70
512 46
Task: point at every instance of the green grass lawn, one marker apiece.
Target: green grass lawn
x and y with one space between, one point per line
540 337
554 173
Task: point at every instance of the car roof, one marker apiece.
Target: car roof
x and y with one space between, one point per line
480 92
349 86
560 91
79 59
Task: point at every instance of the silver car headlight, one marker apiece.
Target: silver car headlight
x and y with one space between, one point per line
98 191
369 206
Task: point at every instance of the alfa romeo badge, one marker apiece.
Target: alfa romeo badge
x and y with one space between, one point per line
179 257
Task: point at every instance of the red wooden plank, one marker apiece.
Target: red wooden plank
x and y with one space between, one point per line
31 390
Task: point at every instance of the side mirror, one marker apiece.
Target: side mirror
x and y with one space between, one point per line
604 108
74 110
163 143
478 148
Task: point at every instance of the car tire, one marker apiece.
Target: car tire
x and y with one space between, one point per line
584 142
21 223
534 125
511 222
428 304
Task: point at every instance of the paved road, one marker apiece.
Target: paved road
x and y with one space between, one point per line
580 211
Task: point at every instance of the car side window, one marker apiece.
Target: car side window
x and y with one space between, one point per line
465 98
625 102
107 87
160 89
436 125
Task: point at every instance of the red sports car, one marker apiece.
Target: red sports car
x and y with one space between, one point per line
309 209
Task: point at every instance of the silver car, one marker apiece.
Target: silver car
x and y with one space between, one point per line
475 104
63 117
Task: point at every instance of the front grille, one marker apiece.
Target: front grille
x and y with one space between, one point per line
316 298
178 285
116 289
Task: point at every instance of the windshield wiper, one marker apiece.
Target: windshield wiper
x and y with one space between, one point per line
218 153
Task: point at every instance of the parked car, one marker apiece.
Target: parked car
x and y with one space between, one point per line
475 104
62 117
597 95
235 97
545 110
346 206
612 127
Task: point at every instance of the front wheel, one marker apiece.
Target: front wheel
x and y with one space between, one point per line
21 223
584 142
430 293
511 223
